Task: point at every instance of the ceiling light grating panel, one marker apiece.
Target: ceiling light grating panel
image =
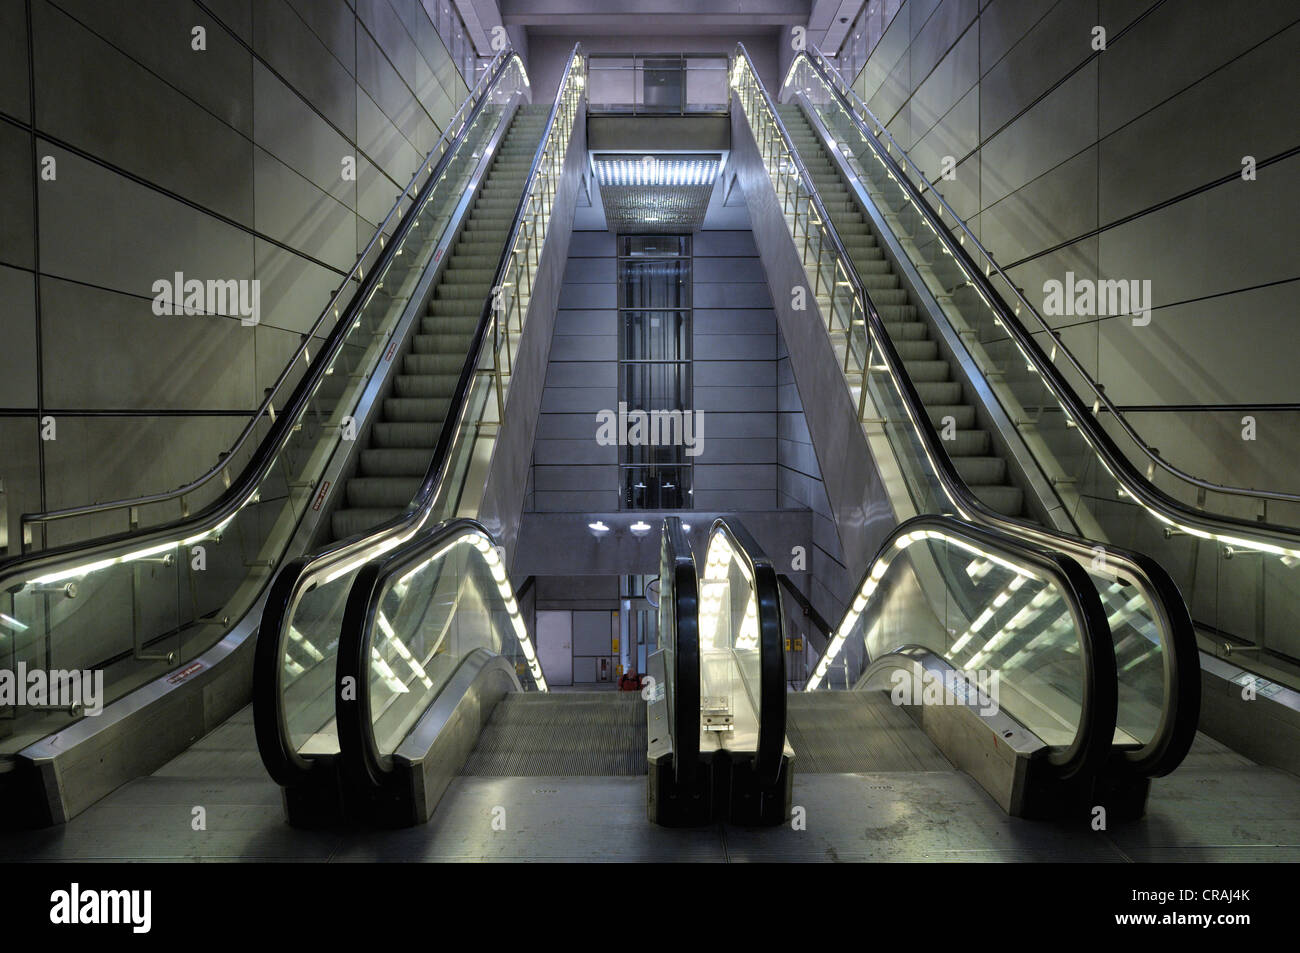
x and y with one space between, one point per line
665 192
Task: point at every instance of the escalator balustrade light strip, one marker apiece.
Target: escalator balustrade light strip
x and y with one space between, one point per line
301 641
877 573
395 684
499 576
747 639
400 647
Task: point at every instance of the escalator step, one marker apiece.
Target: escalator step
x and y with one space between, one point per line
449 324
962 414
433 363
395 462
440 344
917 350
906 330
416 409
570 734
424 385
981 471
350 522
381 492
968 443
1008 500
920 371
406 435
457 307
938 392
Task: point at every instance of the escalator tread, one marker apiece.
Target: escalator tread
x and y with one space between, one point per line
850 732
563 734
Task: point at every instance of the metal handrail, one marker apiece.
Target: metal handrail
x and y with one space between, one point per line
1181 655
355 273
1011 319
284 763
828 231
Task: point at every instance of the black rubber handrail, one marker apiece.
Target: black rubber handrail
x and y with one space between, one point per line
1181 654
232 499
771 648
1092 747
809 610
679 621
274 619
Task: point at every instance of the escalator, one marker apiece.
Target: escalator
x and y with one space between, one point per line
418 609
1232 551
167 612
969 445
942 455
408 423
448 685
968 649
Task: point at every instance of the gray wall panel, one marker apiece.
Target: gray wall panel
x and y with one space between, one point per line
1104 165
178 159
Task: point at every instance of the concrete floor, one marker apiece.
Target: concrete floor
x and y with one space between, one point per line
1217 807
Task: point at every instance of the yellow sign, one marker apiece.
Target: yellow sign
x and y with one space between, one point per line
798 645
615 644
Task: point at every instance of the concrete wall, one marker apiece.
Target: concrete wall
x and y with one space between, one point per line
735 380
1126 164
222 163
571 472
820 574
757 454
547 53
735 344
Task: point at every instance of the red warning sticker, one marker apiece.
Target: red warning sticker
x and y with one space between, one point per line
185 673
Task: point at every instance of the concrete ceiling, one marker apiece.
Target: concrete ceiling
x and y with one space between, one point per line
654 17
830 21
